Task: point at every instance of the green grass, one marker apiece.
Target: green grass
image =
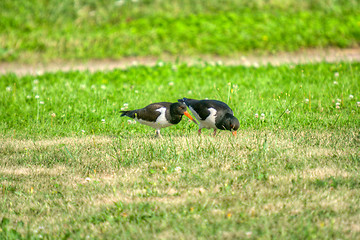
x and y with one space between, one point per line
302 188
291 175
82 100
40 30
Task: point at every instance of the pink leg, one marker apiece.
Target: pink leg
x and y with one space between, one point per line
199 132
214 134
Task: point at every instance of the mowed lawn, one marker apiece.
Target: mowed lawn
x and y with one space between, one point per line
70 167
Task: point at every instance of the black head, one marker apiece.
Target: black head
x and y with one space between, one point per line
179 109
230 123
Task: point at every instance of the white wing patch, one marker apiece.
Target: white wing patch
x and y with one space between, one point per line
160 122
209 122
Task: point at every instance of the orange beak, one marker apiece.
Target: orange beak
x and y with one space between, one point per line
234 133
186 113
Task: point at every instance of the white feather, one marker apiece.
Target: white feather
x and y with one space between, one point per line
209 122
160 122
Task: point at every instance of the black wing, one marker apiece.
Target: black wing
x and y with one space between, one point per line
219 106
201 107
147 113
197 106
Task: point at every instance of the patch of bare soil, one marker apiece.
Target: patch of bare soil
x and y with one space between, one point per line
303 56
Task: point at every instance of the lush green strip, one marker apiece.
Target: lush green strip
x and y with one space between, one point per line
320 96
47 30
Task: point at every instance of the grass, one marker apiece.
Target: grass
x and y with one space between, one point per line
292 175
69 104
300 188
41 30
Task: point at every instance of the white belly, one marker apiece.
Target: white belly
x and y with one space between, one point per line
160 122
209 122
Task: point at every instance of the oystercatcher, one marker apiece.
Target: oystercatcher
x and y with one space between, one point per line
159 115
212 114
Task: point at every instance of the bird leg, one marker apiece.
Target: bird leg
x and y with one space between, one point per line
157 132
199 131
214 134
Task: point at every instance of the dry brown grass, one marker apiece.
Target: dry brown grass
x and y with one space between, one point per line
32 171
229 177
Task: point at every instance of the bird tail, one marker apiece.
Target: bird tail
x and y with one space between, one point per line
188 101
183 100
